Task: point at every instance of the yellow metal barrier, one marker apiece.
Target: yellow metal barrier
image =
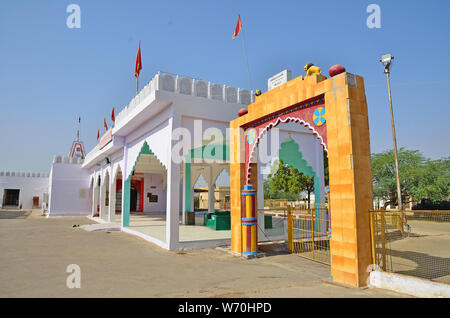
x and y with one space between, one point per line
289 223
310 232
283 203
415 243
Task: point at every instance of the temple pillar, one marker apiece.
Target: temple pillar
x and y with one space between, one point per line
126 190
173 194
211 198
249 221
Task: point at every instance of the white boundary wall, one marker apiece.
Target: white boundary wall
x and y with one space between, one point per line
29 184
409 285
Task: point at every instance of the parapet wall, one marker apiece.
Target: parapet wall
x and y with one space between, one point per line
188 86
23 174
56 159
67 160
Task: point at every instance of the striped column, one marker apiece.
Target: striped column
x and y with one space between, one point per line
249 221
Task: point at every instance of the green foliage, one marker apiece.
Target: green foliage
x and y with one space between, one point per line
434 182
286 182
325 169
419 177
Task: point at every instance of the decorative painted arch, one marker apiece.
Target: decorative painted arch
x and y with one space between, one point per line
310 113
145 150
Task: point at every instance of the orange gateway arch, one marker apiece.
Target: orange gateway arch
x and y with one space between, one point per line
335 109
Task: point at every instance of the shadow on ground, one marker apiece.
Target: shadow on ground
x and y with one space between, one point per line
14 214
273 248
428 266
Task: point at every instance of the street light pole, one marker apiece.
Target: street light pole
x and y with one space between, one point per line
386 59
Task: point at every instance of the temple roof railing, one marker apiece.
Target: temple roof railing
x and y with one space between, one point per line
188 86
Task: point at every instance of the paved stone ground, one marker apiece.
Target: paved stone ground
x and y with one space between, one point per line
35 252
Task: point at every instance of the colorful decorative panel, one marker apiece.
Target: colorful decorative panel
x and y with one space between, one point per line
311 114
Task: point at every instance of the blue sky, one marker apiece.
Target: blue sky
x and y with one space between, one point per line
50 74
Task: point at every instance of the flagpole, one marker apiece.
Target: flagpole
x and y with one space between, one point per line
246 58
137 84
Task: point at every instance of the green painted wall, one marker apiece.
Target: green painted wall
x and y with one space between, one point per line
290 154
187 187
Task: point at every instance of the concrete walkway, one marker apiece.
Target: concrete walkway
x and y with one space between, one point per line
154 225
35 253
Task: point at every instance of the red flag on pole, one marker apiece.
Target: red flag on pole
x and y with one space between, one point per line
104 124
98 134
113 117
138 66
238 27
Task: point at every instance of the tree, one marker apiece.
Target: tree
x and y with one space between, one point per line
383 171
419 177
326 169
299 182
286 182
434 182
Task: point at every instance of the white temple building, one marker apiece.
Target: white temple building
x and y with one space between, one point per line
141 174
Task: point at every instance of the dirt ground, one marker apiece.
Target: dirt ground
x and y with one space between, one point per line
424 252
35 253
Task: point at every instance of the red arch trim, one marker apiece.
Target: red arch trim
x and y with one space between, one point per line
302 116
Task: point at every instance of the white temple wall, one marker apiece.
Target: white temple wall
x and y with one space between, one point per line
194 124
156 185
29 184
69 190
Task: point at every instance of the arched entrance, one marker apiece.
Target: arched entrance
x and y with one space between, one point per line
115 196
335 110
144 187
105 197
134 198
96 197
91 194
